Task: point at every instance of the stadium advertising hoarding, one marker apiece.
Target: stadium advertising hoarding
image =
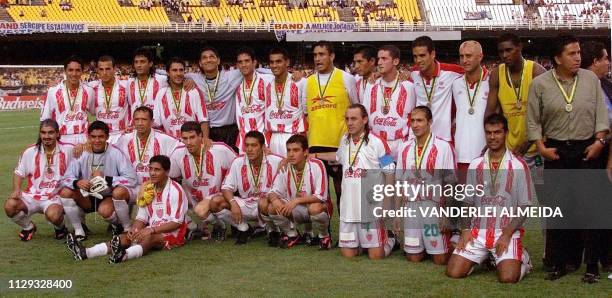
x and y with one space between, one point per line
280 30
23 87
7 28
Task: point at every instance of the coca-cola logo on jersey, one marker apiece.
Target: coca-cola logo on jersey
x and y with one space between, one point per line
215 106
78 116
177 121
496 200
198 183
251 109
108 115
385 121
280 115
142 168
48 184
355 173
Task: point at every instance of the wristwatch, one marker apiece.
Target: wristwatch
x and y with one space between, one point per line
603 141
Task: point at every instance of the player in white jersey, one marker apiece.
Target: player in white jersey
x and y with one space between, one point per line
174 105
251 175
390 100
285 104
364 65
433 85
102 180
201 171
298 196
250 96
69 102
361 151
144 142
42 165
143 88
507 184
426 160
160 223
111 104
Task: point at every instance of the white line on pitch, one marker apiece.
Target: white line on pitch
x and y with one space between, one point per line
18 127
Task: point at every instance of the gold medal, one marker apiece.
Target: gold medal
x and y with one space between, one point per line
386 110
519 105
471 111
569 107
322 92
569 99
472 99
429 94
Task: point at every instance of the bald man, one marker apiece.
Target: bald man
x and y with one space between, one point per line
470 96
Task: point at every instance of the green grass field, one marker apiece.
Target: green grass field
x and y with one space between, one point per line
207 269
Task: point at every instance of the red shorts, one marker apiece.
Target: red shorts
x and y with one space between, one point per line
171 241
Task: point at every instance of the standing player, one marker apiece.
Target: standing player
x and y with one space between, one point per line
175 105
433 85
361 151
299 196
43 165
470 96
201 171
426 160
364 65
111 99
509 186
390 101
251 175
69 102
102 180
160 223
285 104
143 88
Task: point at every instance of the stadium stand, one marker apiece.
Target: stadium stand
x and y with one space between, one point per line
459 12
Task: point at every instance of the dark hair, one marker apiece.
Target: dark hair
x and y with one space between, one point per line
589 52
324 44
393 51
209 48
144 109
424 41
246 50
279 51
426 110
73 58
50 123
174 60
511 37
558 45
147 53
364 113
162 160
497 119
256 135
98 125
368 52
191 126
107 58
298 139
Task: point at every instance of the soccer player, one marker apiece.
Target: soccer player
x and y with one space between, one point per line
42 165
285 104
69 102
251 175
102 180
329 92
111 103
364 65
426 159
390 100
433 85
507 185
298 196
201 172
144 142
470 97
174 105
159 224
143 88
361 151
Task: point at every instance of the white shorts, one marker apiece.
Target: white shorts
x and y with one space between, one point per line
278 143
364 235
248 208
423 233
74 139
38 206
133 191
478 252
193 201
300 214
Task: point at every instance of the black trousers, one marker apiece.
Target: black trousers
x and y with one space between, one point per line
227 134
333 171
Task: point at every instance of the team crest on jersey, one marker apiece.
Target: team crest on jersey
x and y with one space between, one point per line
159 211
433 243
369 236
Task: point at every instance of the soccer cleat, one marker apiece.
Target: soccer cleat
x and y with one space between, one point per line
325 243
81 238
258 232
309 239
235 232
243 237
289 242
274 239
26 235
61 233
116 229
117 252
555 274
75 247
218 233
590 278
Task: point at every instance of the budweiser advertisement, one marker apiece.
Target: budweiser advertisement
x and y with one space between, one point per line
23 87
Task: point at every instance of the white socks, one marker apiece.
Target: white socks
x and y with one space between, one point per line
224 216
123 213
270 227
320 221
389 246
97 250
23 220
134 252
73 212
285 225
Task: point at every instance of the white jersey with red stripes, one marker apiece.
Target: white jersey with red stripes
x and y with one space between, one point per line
144 93
140 151
168 206
440 89
437 165
69 109
312 182
395 124
214 166
249 181
169 119
362 86
291 117
43 176
513 188
112 107
250 107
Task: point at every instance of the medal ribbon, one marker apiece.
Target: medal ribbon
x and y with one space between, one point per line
212 95
322 94
141 151
248 99
517 93
298 184
199 163
107 97
387 100
49 158
467 87
279 98
568 99
492 177
177 104
354 156
256 178
431 91
142 91
72 100
418 158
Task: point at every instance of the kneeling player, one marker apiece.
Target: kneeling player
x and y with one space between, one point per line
159 224
299 196
102 180
507 185
42 165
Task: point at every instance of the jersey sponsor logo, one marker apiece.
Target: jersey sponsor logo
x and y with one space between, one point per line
356 173
177 121
198 183
108 115
48 184
252 109
281 115
323 103
142 168
496 200
78 116
385 121
215 106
